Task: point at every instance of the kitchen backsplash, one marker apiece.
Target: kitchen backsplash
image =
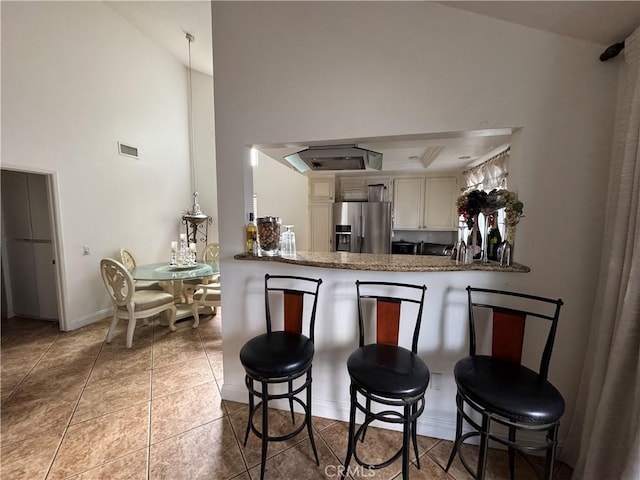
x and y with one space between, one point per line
448 238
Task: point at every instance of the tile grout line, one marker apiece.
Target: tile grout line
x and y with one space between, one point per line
66 429
73 413
149 416
54 450
32 367
228 414
239 445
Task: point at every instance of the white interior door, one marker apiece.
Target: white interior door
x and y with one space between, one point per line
29 249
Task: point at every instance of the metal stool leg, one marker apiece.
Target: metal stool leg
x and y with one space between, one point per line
366 418
265 428
552 437
251 407
352 430
414 433
308 419
512 451
293 420
456 442
484 447
406 438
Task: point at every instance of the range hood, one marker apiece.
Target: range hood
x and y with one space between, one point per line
335 157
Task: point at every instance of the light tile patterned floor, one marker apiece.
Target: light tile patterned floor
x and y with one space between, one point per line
76 408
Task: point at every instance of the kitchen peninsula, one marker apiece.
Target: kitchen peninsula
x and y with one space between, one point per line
443 335
385 262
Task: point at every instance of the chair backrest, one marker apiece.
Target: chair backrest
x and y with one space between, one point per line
294 290
127 259
509 322
389 298
118 280
211 253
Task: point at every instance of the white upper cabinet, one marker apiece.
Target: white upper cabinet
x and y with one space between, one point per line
321 189
351 189
440 212
356 189
408 194
422 203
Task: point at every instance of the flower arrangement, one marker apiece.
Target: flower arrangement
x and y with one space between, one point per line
472 203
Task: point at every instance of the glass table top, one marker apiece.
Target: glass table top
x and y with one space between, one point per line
163 271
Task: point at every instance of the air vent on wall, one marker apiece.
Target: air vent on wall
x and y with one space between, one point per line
128 150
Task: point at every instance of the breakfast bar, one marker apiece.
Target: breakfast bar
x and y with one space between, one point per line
443 337
385 263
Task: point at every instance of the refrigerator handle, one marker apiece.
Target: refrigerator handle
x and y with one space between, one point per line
362 233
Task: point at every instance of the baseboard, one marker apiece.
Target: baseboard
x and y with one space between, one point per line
436 426
89 319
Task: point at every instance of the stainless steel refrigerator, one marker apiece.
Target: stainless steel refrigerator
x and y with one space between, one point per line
362 227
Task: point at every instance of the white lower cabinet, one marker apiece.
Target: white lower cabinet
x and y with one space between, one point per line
321 227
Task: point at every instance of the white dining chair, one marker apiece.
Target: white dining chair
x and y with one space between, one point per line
129 261
210 254
206 295
129 303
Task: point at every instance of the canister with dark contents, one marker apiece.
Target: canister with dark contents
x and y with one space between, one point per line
269 236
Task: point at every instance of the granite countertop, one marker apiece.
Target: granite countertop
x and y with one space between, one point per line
384 263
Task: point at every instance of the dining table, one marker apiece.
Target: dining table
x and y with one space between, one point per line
171 277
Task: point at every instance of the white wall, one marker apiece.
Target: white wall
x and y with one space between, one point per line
301 71
76 79
204 147
276 184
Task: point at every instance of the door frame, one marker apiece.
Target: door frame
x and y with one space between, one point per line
56 238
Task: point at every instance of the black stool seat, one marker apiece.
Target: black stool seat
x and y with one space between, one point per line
513 391
388 370
277 354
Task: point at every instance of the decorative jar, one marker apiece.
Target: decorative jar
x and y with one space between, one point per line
269 236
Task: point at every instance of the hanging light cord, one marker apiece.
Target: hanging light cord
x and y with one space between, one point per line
192 152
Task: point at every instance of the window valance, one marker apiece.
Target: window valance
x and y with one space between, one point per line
489 174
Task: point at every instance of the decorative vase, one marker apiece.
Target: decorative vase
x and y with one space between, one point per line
505 253
474 241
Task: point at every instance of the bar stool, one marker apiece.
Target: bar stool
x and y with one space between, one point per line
281 357
496 388
384 373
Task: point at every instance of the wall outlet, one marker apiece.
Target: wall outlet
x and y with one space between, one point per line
86 250
436 381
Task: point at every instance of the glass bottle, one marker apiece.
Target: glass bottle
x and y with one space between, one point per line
251 231
494 239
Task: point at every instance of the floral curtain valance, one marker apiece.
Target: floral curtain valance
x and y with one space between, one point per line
489 174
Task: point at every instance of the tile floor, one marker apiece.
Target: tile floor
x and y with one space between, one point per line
74 407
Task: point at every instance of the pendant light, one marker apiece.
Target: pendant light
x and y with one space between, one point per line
194 217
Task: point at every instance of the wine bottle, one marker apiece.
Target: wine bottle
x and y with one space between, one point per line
251 231
493 239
